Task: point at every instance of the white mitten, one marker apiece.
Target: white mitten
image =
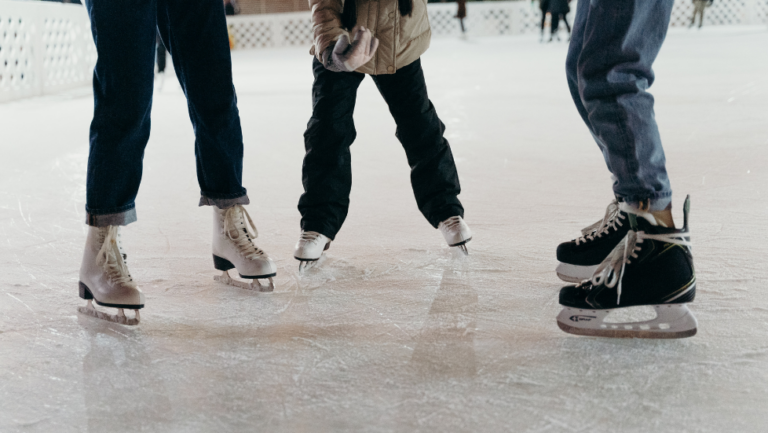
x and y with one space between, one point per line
346 57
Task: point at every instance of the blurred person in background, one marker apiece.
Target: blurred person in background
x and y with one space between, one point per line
344 53
558 9
461 14
698 9
195 34
231 7
544 7
161 60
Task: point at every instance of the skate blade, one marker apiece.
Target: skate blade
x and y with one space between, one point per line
254 285
573 273
672 321
120 317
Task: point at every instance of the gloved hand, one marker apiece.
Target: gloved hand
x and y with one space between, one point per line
346 57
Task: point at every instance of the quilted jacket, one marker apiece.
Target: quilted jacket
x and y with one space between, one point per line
402 39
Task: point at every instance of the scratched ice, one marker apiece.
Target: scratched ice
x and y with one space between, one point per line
393 332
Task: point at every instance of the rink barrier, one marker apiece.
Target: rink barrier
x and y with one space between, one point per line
44 48
47 47
495 18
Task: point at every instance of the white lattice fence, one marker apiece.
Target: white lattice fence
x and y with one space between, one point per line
273 30
44 48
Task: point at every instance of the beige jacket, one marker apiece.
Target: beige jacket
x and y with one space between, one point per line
402 39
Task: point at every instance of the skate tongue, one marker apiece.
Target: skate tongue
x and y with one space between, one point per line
634 212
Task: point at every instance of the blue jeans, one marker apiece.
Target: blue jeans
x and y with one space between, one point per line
195 34
609 70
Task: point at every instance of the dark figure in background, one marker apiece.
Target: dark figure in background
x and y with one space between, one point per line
461 14
698 9
544 6
161 55
231 7
558 9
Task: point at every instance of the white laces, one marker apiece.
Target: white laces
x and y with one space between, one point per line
237 223
452 223
611 271
110 257
310 236
612 220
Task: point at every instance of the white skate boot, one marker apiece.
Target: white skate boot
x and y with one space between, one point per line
309 248
233 247
456 233
104 277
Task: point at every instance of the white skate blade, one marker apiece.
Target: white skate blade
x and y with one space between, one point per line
672 321
254 285
120 317
305 265
573 273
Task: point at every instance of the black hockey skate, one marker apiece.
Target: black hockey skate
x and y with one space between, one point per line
580 257
651 266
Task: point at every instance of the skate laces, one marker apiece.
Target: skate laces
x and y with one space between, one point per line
452 223
244 243
611 220
611 271
110 257
310 236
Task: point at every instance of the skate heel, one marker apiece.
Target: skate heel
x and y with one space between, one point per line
85 293
222 264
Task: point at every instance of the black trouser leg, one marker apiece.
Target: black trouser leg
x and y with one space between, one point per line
555 24
433 172
567 26
195 34
327 169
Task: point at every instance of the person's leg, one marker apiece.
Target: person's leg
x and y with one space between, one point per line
327 169
195 34
434 177
554 25
161 56
702 7
124 34
567 24
614 72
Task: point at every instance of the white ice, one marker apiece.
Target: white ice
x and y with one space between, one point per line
393 332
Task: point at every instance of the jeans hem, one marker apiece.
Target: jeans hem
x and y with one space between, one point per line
111 219
224 203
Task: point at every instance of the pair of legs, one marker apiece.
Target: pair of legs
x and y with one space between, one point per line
634 255
698 9
196 36
327 169
556 17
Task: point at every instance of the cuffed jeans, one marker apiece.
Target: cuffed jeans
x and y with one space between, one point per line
195 34
327 169
609 70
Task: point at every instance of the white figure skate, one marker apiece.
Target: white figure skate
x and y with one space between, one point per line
233 248
309 248
456 233
104 277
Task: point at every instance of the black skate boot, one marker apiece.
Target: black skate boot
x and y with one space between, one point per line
580 257
651 266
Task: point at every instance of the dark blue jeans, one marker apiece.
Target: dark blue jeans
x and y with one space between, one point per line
195 34
327 170
609 69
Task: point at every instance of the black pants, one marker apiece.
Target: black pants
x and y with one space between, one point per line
556 17
195 33
327 170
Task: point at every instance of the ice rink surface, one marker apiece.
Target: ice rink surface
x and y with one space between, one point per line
393 332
